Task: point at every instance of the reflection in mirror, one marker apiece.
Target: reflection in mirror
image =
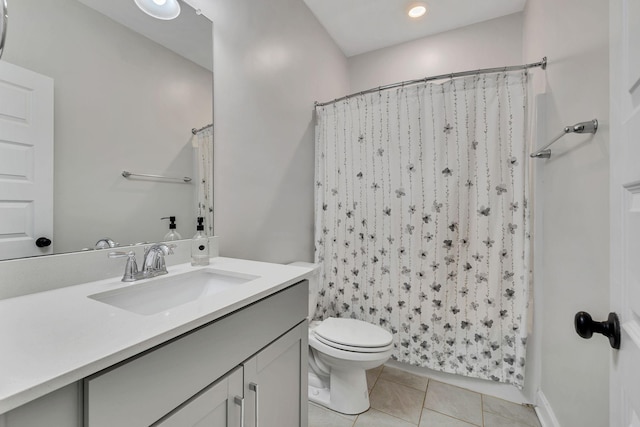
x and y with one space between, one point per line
122 102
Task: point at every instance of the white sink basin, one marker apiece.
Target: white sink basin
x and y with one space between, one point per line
160 294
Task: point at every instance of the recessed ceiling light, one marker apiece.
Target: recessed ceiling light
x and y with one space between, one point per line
160 9
417 10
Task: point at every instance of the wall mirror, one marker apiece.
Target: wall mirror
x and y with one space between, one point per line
128 90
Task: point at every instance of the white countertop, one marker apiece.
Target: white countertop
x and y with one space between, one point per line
54 338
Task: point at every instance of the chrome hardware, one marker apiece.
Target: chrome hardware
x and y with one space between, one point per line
4 21
542 154
582 127
240 401
105 243
128 174
131 273
153 264
254 387
196 131
542 64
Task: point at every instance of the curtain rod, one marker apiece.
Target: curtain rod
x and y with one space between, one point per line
196 131
542 64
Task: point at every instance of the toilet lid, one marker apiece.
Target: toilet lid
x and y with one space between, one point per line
350 347
353 333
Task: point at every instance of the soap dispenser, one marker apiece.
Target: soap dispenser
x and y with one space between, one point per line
173 233
200 245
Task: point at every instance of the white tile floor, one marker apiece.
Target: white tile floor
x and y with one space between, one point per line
401 399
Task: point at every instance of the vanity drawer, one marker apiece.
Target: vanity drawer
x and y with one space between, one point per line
140 391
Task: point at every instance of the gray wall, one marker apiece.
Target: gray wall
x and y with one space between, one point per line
456 50
573 200
272 60
122 102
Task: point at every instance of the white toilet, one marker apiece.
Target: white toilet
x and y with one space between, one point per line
340 351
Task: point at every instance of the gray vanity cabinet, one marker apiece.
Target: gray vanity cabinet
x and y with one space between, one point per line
142 391
253 360
271 397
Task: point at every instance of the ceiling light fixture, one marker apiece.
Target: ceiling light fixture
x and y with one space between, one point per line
417 10
160 9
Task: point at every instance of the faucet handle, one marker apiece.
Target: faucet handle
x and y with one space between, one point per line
170 248
117 254
131 268
164 249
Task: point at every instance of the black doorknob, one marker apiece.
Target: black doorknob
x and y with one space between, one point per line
586 326
43 242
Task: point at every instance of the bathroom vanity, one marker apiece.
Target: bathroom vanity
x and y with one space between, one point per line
234 358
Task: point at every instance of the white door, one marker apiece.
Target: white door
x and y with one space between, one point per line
26 161
625 209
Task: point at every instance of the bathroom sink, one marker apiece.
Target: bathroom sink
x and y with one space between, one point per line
164 293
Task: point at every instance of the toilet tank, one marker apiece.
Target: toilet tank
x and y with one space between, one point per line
314 284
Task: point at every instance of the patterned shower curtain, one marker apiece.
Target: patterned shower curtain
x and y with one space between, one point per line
422 220
203 143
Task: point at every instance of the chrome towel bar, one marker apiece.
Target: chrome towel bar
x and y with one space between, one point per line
582 127
128 174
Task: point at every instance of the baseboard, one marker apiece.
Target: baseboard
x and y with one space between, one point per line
545 412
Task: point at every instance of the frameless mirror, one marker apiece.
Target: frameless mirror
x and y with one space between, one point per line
128 90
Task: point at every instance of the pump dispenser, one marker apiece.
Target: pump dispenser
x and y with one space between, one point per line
173 233
200 245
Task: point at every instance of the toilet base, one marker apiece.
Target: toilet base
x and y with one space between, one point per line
347 392
319 396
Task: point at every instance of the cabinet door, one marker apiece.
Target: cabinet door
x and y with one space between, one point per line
219 405
275 382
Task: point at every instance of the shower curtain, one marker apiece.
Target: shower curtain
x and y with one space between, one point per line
422 220
203 143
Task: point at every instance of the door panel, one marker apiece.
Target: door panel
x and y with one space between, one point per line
280 374
26 161
214 407
625 209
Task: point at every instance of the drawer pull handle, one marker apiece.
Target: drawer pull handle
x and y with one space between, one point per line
240 401
254 387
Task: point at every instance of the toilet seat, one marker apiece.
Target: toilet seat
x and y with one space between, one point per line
347 355
353 335
353 348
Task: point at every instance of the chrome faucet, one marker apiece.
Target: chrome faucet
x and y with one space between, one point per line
131 273
105 243
153 264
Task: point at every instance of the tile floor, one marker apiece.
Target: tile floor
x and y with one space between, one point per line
401 399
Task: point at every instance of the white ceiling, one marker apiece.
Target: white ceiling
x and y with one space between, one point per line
189 35
360 26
